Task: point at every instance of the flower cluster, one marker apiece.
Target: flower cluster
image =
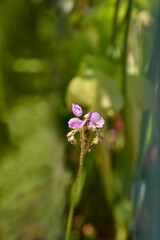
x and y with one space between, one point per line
89 128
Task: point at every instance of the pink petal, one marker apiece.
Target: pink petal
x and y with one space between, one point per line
95 117
77 110
100 123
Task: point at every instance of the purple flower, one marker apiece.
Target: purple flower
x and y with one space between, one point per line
77 110
96 121
87 119
75 123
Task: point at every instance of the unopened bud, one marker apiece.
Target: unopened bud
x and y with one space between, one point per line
72 140
90 149
86 115
101 135
95 140
69 134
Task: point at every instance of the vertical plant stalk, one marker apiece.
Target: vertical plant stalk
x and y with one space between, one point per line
2 102
148 120
90 135
128 20
124 90
70 216
115 28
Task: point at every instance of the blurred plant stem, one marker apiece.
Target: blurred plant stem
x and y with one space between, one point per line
2 108
5 136
105 165
150 119
1 96
70 216
124 83
115 27
126 162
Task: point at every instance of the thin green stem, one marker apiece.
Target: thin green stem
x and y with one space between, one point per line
2 102
115 21
70 217
124 90
128 20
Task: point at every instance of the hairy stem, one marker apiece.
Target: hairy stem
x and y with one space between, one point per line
70 216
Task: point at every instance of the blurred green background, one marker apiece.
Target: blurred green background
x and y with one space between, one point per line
104 56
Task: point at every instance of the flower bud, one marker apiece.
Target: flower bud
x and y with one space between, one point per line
95 140
90 149
77 110
86 115
70 134
101 135
72 140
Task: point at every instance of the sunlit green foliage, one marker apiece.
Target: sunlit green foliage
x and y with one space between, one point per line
31 175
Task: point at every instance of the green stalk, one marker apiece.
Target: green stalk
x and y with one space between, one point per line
128 20
124 90
115 21
70 216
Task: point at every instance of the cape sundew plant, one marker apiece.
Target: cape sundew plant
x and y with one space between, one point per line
90 135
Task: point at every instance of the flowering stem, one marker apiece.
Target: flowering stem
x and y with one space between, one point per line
90 135
70 217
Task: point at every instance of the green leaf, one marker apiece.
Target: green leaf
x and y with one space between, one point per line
83 91
140 91
99 63
122 211
109 93
94 90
